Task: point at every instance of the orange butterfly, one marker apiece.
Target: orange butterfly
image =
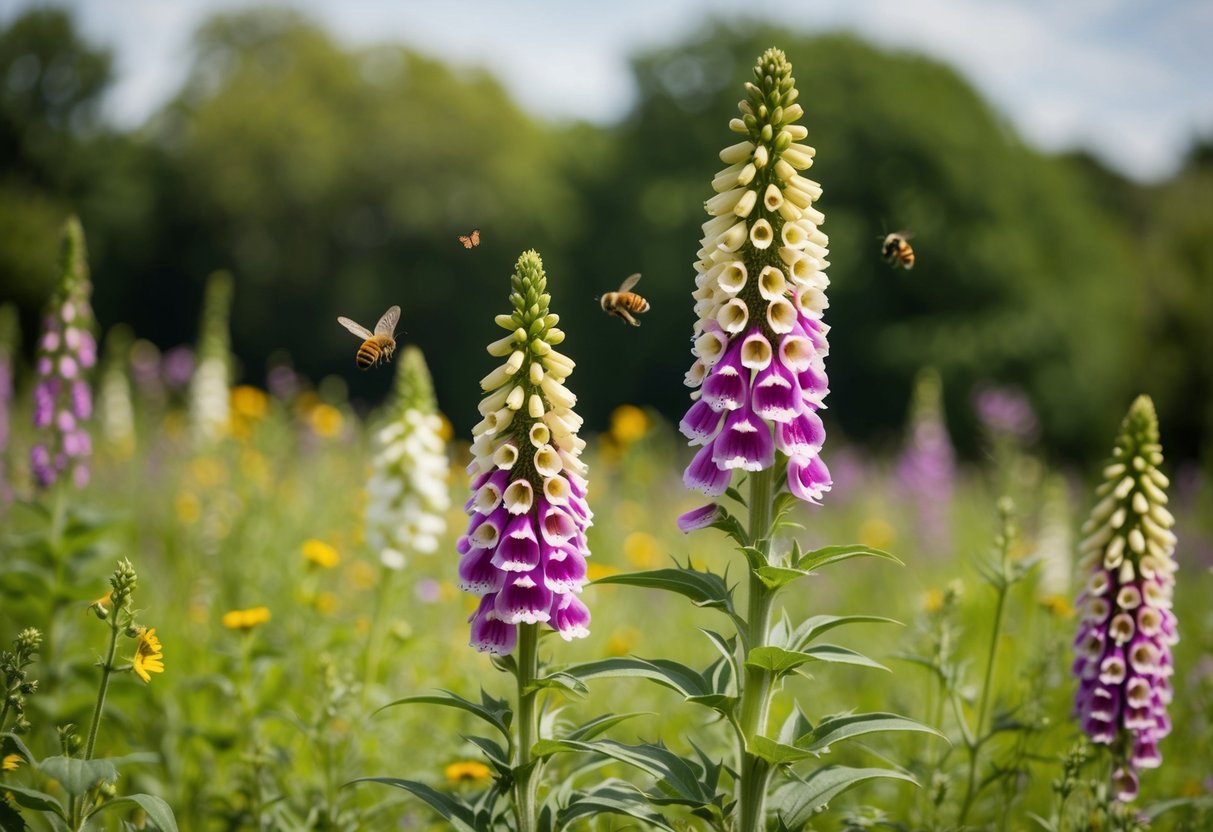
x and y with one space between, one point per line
472 240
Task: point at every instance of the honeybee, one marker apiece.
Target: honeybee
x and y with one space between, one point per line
378 345
471 240
623 303
896 251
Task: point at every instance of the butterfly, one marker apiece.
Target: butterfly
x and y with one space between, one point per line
472 240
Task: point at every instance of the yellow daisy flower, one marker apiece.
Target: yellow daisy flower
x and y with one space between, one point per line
11 762
246 619
628 424
321 554
149 655
467 771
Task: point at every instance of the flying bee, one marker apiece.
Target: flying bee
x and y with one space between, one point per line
471 240
896 251
378 345
624 302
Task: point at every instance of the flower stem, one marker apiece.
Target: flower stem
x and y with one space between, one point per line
975 739
526 785
107 670
756 687
374 645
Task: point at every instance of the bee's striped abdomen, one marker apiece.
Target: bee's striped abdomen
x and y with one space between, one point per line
368 354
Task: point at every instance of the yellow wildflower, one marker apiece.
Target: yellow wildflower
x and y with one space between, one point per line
642 550
319 553
876 532
596 571
628 424
932 602
249 402
10 762
325 420
622 641
189 508
149 655
246 619
467 771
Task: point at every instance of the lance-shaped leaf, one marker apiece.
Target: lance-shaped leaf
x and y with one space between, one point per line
615 797
836 554
705 589
78 776
780 661
36 800
680 781
673 675
458 814
848 726
155 810
796 803
595 727
774 752
811 628
777 577
495 712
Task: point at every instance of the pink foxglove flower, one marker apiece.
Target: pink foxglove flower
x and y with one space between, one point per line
67 350
525 548
1127 628
760 341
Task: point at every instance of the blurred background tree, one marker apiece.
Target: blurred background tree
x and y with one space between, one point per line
334 180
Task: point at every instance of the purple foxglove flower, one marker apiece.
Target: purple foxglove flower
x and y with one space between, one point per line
67 351
926 471
759 343
1006 412
699 518
1123 645
524 551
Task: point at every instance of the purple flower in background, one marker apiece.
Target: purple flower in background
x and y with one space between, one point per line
1006 411
177 367
926 470
525 548
63 400
1123 646
760 343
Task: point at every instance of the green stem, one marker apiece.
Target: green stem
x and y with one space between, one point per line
756 683
976 738
374 646
55 543
526 784
107 670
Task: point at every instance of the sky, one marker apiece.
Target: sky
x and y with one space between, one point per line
1131 81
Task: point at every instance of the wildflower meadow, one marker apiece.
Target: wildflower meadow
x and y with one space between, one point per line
490 584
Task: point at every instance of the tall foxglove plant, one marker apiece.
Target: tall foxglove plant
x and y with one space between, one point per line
927 468
67 350
759 372
209 384
1127 628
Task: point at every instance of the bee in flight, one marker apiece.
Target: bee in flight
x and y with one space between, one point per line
896 251
378 345
624 302
471 240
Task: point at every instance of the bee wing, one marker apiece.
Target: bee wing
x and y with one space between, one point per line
632 280
357 329
906 235
387 324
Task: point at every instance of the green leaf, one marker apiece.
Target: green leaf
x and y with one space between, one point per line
36 800
811 628
705 589
495 753
776 753
836 554
796 725
733 494
591 729
158 813
731 526
755 557
493 711
555 680
776 577
611 797
670 674
841 655
457 813
681 779
15 741
796 803
78 776
839 728
776 659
